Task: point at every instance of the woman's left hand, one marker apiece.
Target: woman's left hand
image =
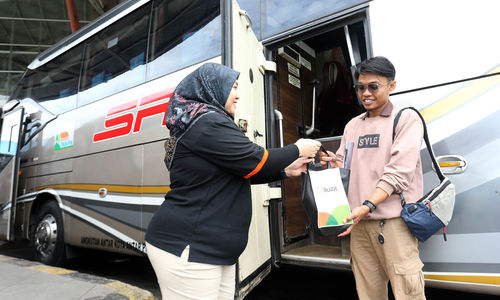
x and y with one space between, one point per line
298 167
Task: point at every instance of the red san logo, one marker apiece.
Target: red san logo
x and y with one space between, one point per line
121 120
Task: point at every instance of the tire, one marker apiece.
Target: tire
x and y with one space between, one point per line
48 236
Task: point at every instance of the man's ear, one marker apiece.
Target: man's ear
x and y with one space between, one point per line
392 85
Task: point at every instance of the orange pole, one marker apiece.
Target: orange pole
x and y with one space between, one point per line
73 17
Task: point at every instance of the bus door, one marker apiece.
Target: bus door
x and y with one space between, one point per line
244 53
10 138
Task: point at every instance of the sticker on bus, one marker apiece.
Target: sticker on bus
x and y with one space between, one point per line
65 137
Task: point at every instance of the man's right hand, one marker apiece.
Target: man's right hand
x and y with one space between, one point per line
307 147
331 158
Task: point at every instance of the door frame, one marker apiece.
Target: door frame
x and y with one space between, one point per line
257 255
356 14
9 232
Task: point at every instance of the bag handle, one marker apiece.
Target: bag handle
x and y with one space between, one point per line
426 139
328 164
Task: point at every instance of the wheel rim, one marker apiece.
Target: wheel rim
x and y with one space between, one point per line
46 236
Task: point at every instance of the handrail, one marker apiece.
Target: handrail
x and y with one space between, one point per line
244 14
279 116
315 82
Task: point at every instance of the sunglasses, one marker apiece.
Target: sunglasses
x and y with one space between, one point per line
372 87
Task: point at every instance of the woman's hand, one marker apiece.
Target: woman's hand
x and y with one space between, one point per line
307 147
331 158
298 167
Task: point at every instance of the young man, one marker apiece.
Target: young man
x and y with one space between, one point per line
382 247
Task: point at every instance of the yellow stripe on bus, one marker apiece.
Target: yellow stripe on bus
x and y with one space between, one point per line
466 278
112 188
461 96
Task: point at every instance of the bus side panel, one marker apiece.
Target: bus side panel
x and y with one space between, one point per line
462 118
127 168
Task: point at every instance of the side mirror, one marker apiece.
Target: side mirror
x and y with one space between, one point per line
39 125
10 105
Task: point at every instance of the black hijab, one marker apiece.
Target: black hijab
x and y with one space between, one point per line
205 89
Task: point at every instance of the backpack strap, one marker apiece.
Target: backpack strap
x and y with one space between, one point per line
426 139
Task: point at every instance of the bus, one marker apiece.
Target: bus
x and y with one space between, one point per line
81 151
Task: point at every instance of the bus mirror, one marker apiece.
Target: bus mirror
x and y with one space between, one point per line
39 125
10 105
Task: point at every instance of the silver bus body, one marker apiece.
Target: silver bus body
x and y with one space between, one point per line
100 158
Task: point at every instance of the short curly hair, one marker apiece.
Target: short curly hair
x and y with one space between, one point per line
378 65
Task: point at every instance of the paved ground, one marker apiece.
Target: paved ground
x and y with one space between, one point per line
126 277
24 279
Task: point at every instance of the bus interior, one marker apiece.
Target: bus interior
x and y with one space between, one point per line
314 91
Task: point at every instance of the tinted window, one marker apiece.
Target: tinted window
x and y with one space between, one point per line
54 84
358 42
115 57
252 7
281 15
184 32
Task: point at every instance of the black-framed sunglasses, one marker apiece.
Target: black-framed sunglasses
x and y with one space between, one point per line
372 87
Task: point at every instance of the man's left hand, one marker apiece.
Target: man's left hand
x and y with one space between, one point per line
357 215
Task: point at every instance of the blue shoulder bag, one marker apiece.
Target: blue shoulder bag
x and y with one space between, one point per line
433 211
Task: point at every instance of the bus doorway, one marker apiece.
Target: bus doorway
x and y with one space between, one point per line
10 139
314 92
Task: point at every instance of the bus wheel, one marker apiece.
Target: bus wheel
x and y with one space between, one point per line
48 238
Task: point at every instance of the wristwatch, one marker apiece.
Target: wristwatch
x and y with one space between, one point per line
370 205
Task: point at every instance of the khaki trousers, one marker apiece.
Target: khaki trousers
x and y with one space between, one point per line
180 279
396 260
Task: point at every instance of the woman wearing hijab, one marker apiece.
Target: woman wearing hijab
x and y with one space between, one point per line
200 230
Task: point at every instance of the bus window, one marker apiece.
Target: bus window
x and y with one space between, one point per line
183 33
358 42
280 16
115 57
54 84
253 9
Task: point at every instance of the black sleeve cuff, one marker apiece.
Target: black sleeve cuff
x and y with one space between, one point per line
277 161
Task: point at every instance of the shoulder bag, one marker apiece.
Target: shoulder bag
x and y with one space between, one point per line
433 211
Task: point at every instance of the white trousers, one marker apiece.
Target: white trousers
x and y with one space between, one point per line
180 279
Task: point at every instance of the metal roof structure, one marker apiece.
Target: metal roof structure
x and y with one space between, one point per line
29 27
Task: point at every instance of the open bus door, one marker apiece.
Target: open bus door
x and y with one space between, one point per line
10 141
244 53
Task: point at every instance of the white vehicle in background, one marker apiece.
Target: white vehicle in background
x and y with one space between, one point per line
81 152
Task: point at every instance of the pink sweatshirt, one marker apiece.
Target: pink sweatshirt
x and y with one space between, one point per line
378 162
